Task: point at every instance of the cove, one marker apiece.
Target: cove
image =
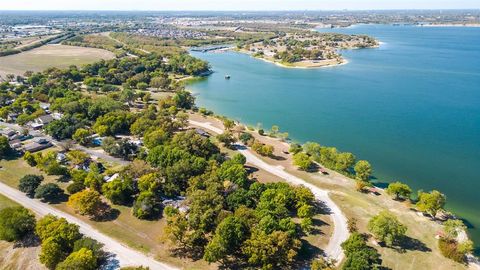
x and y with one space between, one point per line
410 107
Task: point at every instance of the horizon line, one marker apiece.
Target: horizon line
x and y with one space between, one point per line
252 10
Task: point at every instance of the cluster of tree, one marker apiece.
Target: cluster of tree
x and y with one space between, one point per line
31 185
64 247
46 162
360 256
343 162
262 149
251 225
297 54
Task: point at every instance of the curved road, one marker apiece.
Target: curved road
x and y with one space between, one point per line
340 230
124 255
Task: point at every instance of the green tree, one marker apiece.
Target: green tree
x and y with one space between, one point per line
386 228
431 202
363 170
29 183
245 137
452 227
359 256
271 251
399 190
77 157
142 86
15 223
302 161
295 148
82 136
161 82
83 259
58 228
229 236
239 159
52 253
226 138
155 138
91 244
344 161
87 202
50 192
94 180
30 159
184 99
147 206
119 191
5 149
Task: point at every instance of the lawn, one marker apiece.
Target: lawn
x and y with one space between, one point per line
41 58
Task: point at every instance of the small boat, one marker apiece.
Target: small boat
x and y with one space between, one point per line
227 77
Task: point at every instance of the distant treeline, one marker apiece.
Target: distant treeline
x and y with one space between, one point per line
36 44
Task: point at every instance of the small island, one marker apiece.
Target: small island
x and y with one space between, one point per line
307 49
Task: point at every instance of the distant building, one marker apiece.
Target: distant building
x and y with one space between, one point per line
41 121
44 119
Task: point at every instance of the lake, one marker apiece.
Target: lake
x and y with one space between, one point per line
410 107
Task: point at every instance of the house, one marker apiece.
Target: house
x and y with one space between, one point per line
57 115
35 147
40 140
41 121
12 117
44 119
111 178
8 132
44 106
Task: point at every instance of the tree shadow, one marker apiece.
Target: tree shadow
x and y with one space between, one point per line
412 244
111 262
59 198
321 208
106 213
279 158
181 252
29 240
307 253
316 228
250 169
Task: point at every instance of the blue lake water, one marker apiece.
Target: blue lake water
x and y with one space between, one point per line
410 107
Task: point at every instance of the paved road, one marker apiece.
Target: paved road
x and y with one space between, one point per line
340 230
124 255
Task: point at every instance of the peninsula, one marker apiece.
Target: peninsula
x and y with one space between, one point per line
307 49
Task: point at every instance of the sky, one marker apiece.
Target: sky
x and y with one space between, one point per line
235 4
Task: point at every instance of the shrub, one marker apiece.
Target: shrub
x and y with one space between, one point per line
29 183
449 249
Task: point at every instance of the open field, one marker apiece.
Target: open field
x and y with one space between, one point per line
60 56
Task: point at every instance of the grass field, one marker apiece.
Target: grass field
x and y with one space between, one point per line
60 56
